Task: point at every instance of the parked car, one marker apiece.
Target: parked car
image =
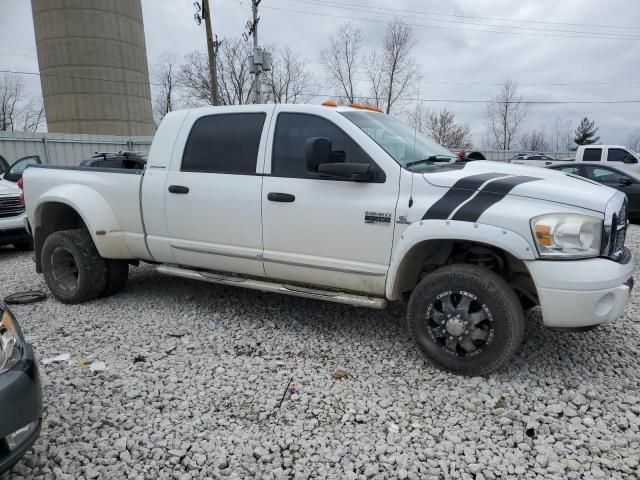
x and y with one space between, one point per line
12 209
346 205
126 160
465 156
533 159
615 155
626 181
4 165
20 394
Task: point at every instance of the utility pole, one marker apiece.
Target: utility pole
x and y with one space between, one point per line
203 12
256 19
259 60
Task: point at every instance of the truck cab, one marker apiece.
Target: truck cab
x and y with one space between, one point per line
616 155
343 204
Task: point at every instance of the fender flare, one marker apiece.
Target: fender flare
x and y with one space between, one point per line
96 213
426 230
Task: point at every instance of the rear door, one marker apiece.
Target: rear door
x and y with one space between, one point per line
212 190
318 231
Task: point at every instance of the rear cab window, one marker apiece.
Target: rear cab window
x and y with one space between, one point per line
592 155
224 143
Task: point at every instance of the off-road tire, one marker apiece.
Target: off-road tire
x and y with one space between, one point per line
117 275
61 253
23 245
507 322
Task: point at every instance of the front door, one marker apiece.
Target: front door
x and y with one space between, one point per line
212 193
329 233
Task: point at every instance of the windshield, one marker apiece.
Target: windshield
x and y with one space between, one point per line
409 148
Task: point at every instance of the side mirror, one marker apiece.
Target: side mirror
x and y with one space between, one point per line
624 181
629 159
317 150
356 172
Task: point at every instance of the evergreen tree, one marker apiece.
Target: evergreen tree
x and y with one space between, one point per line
586 133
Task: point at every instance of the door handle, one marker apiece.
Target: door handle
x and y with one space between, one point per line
281 197
178 189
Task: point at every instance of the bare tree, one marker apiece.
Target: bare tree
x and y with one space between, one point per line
166 98
235 85
561 138
633 140
375 77
18 112
400 72
535 141
418 117
442 127
505 116
288 81
341 59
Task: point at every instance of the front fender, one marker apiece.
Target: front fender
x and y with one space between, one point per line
426 230
97 215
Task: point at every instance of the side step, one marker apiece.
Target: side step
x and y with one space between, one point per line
266 286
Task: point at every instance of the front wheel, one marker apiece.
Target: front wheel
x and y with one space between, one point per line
72 267
466 319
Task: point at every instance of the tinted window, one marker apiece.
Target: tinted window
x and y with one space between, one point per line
292 131
225 143
107 164
605 175
592 154
618 155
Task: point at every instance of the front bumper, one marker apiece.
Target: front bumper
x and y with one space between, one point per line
582 293
20 407
13 229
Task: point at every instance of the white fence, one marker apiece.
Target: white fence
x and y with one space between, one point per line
66 149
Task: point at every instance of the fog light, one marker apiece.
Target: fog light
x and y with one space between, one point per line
17 438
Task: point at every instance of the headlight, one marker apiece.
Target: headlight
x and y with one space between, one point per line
567 235
10 341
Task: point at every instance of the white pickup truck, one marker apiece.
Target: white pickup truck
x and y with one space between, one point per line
617 155
347 205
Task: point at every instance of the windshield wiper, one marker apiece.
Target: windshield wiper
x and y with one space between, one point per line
432 158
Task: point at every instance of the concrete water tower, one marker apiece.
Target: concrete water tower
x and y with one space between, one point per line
93 66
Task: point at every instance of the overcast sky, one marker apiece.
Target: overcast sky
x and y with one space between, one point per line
458 61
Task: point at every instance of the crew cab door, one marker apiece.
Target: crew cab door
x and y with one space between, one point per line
325 231
212 190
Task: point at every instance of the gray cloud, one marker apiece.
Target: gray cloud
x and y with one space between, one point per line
452 54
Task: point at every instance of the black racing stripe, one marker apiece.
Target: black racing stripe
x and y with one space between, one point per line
492 194
460 192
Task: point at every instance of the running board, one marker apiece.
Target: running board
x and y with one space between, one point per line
272 287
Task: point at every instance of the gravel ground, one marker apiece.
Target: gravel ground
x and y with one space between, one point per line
195 370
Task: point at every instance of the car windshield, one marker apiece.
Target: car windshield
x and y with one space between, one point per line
411 149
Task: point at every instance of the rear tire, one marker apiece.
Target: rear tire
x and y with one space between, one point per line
466 319
23 245
117 274
72 267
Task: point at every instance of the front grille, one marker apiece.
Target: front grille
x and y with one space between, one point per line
11 207
615 228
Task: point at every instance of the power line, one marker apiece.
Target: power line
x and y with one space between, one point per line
440 27
495 19
385 12
329 95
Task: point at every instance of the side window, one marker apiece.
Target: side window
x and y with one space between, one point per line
292 131
605 175
620 155
592 155
226 143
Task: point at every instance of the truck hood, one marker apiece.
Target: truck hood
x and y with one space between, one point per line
531 182
8 188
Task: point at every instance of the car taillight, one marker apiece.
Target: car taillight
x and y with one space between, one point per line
21 185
